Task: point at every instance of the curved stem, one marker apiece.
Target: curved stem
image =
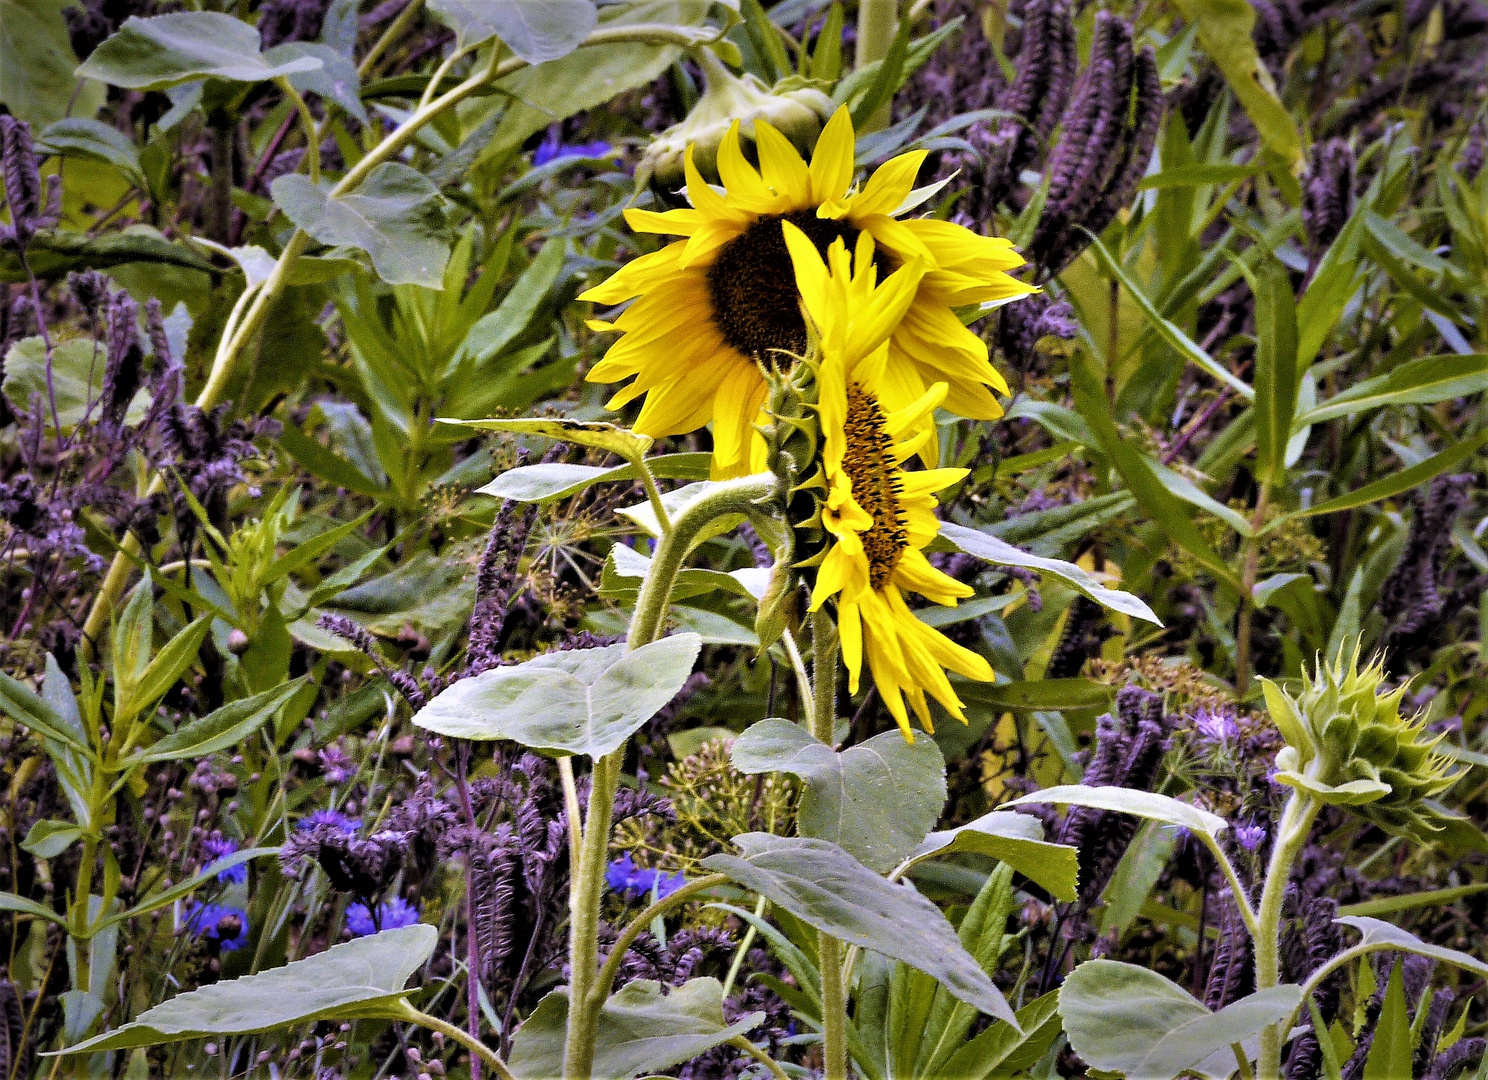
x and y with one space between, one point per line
394 29
1242 900
728 497
739 1042
412 1015
1291 834
599 993
824 644
307 121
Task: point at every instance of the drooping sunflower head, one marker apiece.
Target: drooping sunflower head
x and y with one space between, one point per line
712 310
877 516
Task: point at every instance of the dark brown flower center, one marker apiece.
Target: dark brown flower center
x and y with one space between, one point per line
753 285
868 460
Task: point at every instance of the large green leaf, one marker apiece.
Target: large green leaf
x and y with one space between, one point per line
1379 934
824 886
77 379
640 1030
1001 553
1124 1018
579 701
535 30
1424 381
168 50
876 800
1143 804
1225 33
37 64
336 80
396 216
221 728
79 137
363 977
1016 839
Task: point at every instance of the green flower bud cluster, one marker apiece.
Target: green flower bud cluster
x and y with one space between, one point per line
796 112
1349 745
792 435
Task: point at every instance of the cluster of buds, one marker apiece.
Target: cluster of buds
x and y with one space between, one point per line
34 207
792 435
1110 130
1348 745
796 111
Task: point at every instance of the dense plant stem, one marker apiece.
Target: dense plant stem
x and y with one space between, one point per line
1296 822
824 644
587 987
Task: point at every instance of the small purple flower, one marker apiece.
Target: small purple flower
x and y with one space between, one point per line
1217 725
228 926
623 876
217 847
392 915
553 148
348 825
1250 836
335 766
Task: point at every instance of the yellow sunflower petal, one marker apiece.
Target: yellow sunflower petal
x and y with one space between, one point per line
673 223
782 167
889 185
735 409
850 633
954 246
831 169
745 188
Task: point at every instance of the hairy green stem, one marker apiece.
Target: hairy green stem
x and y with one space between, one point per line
1296 822
599 993
739 1042
824 644
408 1014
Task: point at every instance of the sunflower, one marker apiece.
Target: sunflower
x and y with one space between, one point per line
709 310
878 517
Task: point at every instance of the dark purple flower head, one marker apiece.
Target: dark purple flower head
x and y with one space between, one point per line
348 825
33 207
217 847
391 915
228 926
623 876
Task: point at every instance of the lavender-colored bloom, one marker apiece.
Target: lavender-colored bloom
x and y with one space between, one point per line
217 847
228 926
348 825
554 148
335 766
1250 836
391 915
33 207
1217 725
623 876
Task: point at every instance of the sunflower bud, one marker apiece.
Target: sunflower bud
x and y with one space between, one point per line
1348 744
798 114
792 441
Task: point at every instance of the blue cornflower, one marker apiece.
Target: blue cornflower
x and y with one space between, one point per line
1217 725
396 913
552 148
217 847
346 824
623 876
228 926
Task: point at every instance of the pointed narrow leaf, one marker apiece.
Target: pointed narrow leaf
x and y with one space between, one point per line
1385 935
1403 480
1016 839
824 886
29 709
1275 367
222 728
601 436
1418 382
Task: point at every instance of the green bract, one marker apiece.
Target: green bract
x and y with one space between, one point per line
797 114
1349 745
